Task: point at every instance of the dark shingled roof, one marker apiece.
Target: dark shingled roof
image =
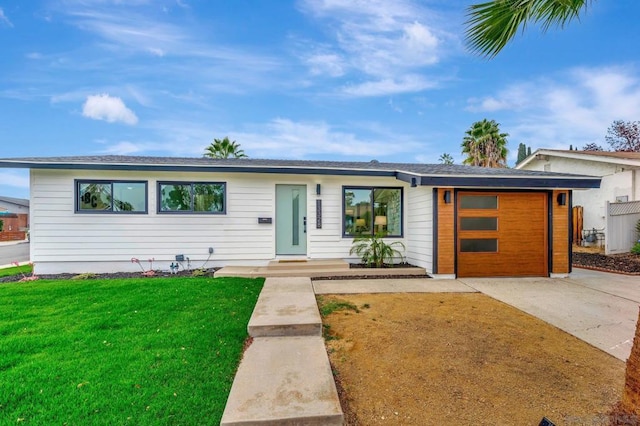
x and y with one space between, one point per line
422 174
17 201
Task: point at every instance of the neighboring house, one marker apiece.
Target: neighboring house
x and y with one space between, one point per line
14 213
93 214
620 172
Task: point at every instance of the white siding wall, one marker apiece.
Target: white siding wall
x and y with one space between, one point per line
615 182
65 241
419 227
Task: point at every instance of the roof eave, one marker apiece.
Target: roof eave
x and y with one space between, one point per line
413 178
578 156
199 168
541 182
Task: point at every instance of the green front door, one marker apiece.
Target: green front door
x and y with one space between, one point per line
291 220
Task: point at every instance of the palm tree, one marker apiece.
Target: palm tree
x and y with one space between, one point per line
492 24
224 149
446 158
484 145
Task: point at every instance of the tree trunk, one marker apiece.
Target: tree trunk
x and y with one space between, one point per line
627 411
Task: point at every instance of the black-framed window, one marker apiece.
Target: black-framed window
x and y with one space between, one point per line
111 196
371 211
192 197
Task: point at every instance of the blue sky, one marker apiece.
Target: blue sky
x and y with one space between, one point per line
304 79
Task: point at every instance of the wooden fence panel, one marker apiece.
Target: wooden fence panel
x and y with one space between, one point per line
578 224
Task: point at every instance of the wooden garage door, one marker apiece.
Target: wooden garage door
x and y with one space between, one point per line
502 234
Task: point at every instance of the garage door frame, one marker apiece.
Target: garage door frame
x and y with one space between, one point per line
446 222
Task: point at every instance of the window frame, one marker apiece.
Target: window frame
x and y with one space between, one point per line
191 184
76 193
372 188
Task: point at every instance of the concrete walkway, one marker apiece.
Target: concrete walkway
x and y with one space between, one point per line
286 378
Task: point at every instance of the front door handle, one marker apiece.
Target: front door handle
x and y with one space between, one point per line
304 222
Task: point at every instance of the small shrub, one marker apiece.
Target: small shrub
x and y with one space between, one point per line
636 248
198 273
374 251
84 276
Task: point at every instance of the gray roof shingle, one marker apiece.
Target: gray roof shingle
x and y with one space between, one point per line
17 201
425 174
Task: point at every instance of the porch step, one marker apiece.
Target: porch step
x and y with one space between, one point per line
301 265
284 380
286 307
263 271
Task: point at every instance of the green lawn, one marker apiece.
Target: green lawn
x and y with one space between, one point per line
123 351
16 270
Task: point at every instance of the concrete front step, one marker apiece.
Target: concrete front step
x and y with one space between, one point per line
263 271
301 265
286 307
284 381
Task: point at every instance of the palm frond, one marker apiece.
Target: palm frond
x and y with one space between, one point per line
492 24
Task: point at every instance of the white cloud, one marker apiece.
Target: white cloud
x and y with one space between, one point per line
386 42
571 108
389 86
285 138
4 19
124 148
278 138
131 32
15 179
107 108
326 64
515 97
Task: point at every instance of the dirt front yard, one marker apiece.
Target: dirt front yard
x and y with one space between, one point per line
430 359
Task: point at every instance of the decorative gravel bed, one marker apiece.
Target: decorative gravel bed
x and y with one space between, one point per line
626 263
90 276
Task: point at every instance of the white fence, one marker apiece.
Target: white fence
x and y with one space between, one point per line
621 232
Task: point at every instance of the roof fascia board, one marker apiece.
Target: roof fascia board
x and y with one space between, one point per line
527 160
579 156
510 182
198 168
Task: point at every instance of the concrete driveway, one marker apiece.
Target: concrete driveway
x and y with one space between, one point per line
597 307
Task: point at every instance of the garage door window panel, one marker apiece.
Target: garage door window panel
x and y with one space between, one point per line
480 202
479 245
478 223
